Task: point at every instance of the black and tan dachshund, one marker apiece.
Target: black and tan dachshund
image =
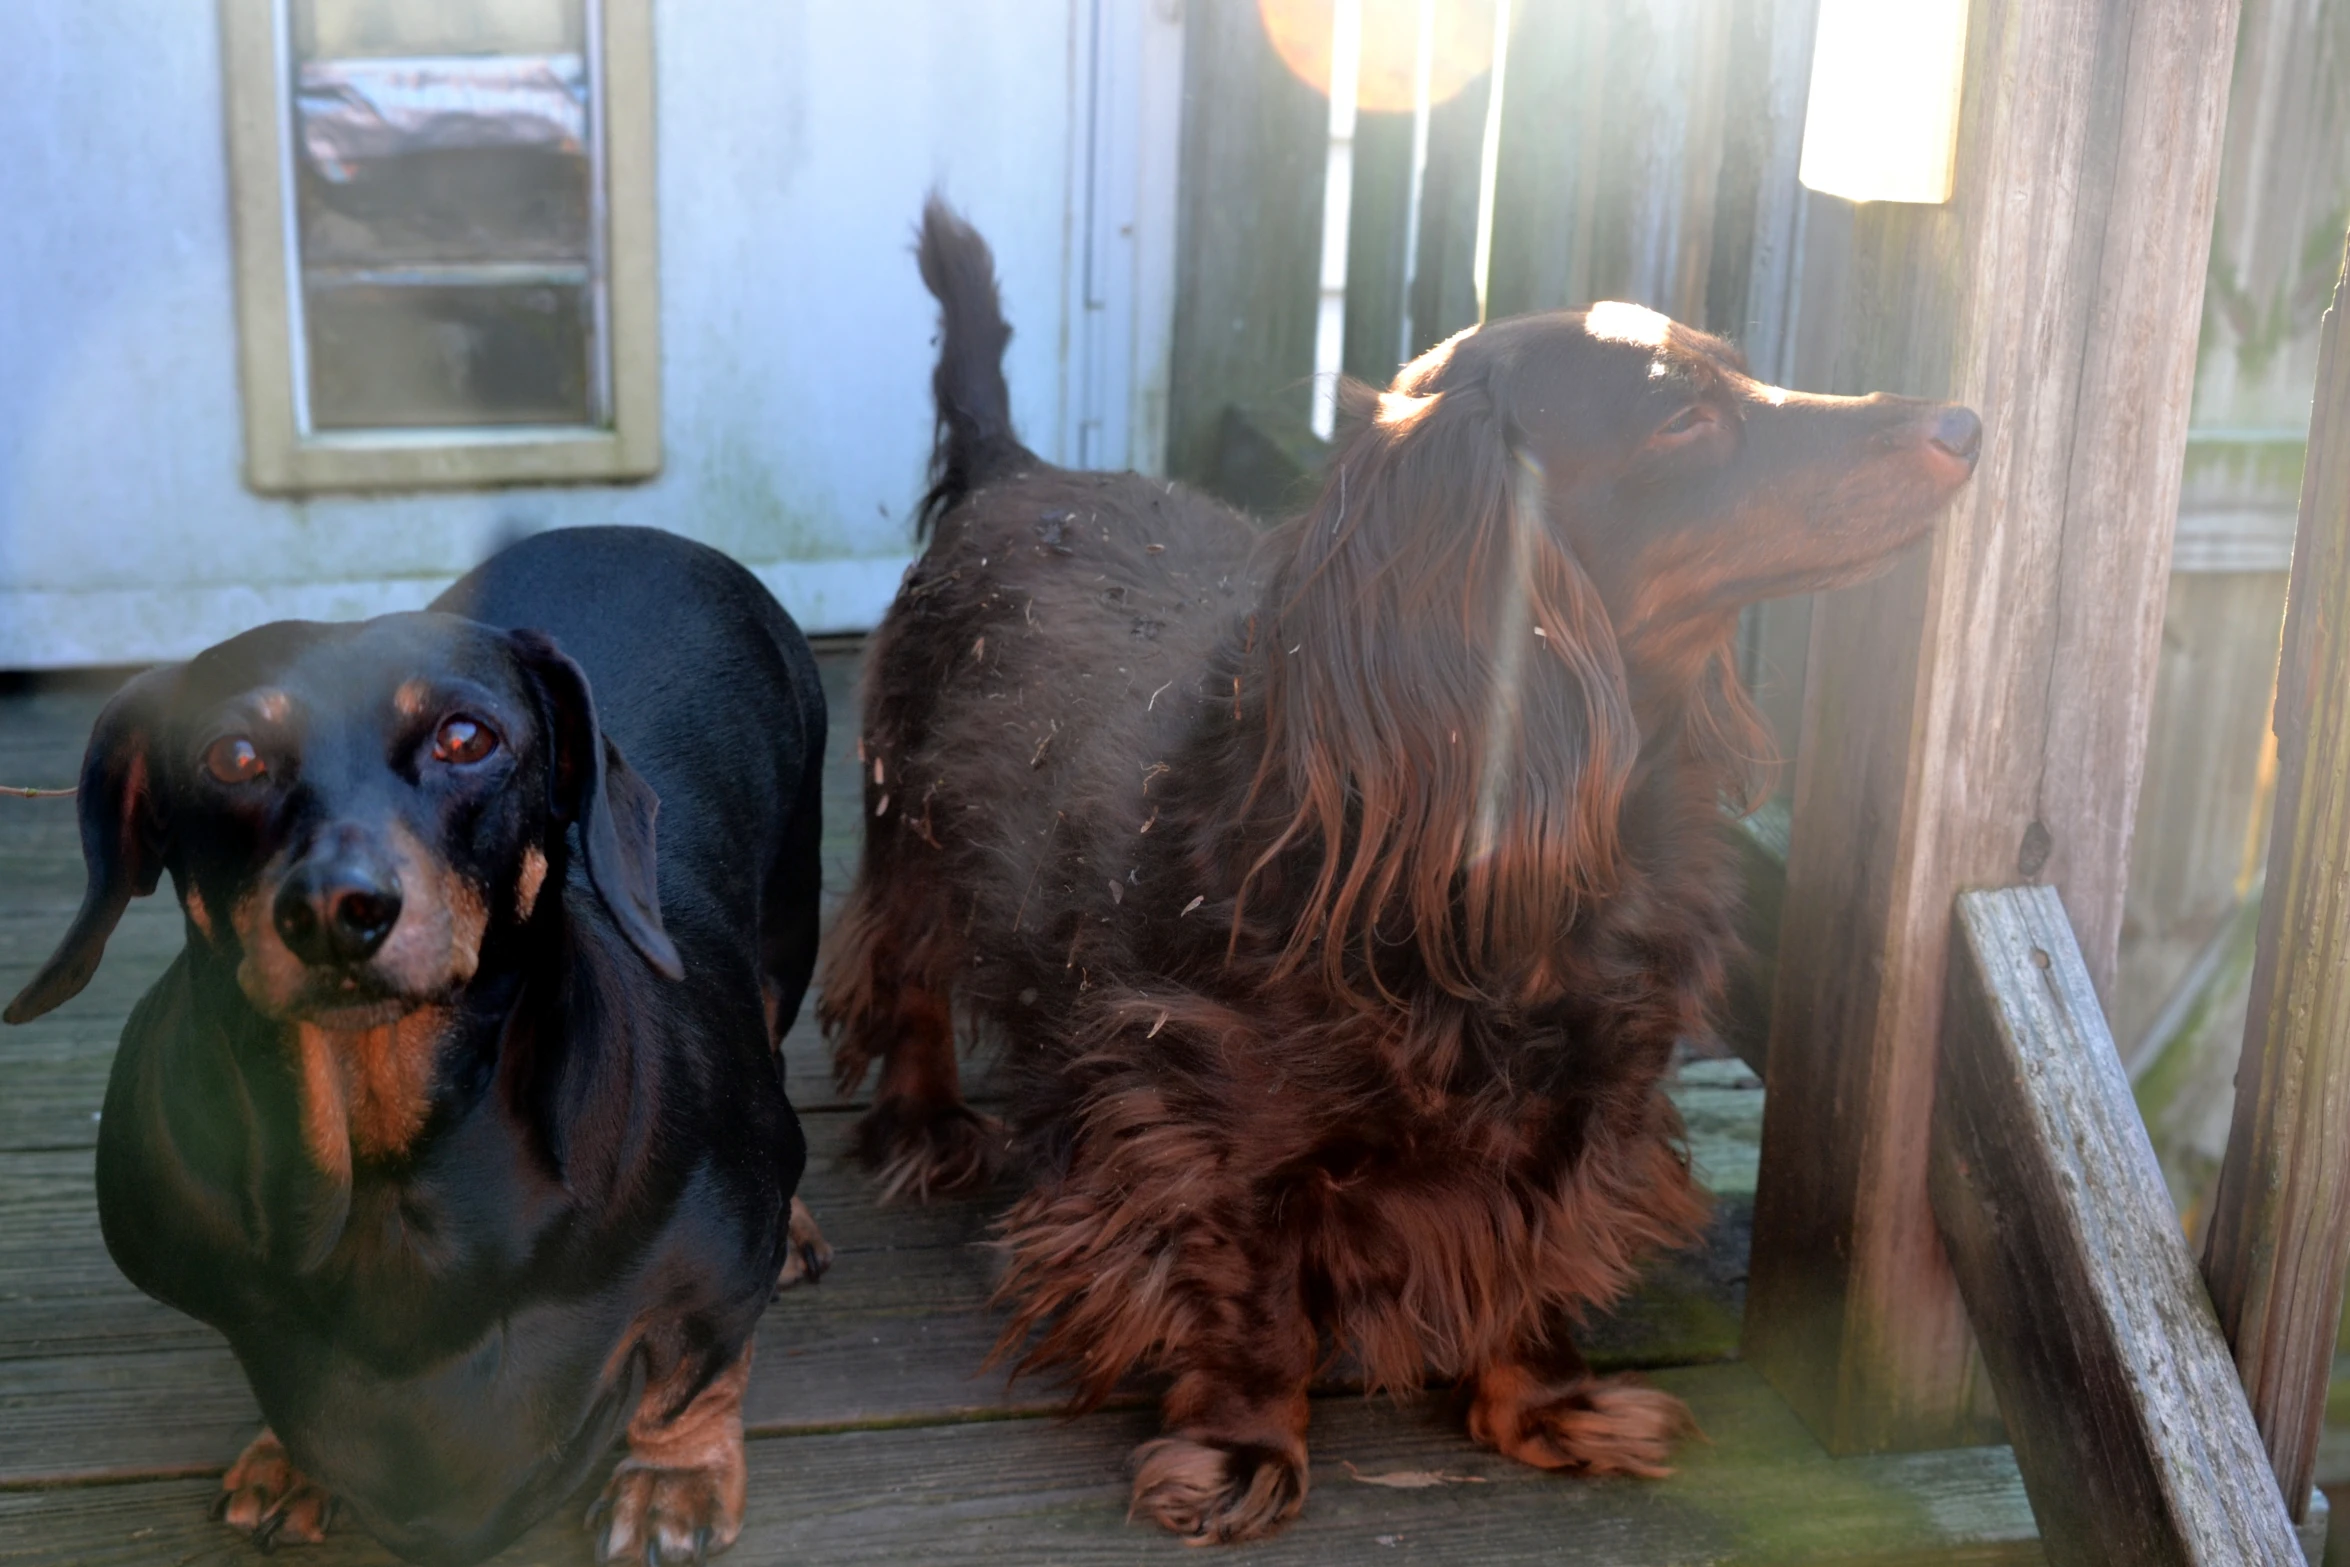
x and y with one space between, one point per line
460 1114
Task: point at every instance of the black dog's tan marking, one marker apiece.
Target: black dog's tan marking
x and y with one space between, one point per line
421 1118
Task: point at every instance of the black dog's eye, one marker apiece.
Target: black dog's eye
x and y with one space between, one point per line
232 760
462 739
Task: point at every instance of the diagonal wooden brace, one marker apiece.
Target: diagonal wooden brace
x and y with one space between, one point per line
2132 1432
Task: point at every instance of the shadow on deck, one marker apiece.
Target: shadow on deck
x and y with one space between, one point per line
876 1437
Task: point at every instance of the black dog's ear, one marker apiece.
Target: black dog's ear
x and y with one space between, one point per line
123 838
589 782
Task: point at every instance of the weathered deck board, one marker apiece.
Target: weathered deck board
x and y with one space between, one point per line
1054 1491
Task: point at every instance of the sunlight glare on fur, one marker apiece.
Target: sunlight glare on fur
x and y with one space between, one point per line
1614 321
1509 662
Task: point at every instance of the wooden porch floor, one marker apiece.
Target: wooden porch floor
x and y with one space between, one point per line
876 1438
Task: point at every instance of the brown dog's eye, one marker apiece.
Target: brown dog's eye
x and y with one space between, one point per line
1695 419
232 760
462 739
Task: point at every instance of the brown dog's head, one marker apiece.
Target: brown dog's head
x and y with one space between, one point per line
1526 564
349 810
1684 488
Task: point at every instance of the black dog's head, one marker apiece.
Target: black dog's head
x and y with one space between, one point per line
348 811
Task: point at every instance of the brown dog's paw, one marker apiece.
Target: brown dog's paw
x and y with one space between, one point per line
661 1517
1217 1493
263 1495
806 1254
1596 1425
925 1152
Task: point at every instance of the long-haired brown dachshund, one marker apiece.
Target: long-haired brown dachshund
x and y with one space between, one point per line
1337 894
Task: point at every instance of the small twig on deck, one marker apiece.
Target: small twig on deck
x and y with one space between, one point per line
35 794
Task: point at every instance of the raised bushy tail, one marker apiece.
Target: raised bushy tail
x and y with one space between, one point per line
974 441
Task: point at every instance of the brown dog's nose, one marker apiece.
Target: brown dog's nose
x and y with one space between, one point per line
336 912
1960 433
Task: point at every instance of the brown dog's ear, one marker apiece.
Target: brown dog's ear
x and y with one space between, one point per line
123 839
590 783
1448 724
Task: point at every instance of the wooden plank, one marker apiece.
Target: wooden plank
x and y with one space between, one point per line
2280 1231
1617 202
97 1379
1760 1492
2133 1436
1254 140
1978 716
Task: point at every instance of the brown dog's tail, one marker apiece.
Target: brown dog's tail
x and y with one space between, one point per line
974 440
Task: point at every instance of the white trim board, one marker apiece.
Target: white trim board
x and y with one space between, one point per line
150 625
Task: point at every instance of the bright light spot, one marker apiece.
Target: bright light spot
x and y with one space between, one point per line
1613 321
1462 40
1882 123
1776 396
1399 408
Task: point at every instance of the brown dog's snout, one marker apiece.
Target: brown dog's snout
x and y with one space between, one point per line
1959 432
335 909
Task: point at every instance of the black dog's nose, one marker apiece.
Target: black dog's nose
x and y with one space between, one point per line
336 912
1959 432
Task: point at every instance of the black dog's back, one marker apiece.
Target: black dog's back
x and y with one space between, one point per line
709 690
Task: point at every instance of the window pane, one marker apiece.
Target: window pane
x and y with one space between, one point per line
357 29
446 212
408 354
453 159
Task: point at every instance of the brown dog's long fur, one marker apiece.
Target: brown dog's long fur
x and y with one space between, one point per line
1337 896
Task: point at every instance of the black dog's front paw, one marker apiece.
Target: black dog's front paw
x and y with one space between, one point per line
264 1496
924 1151
666 1517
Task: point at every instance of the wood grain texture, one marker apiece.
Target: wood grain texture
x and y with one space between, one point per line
1978 716
2280 1229
1249 240
2134 1439
1047 1491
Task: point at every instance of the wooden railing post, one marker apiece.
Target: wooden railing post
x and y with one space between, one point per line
2280 1227
1979 717
2134 1440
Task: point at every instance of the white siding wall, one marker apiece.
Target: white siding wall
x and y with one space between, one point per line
797 138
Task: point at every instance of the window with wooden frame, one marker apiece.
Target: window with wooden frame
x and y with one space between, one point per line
445 243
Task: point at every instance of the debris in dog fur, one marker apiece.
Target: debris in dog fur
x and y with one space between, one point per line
1155 695
1193 904
1052 531
1151 822
881 806
1387 1539
1155 1027
1154 549
1411 1479
1117 890
878 779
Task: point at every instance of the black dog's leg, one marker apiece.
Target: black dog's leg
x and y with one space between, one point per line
808 1254
678 1496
